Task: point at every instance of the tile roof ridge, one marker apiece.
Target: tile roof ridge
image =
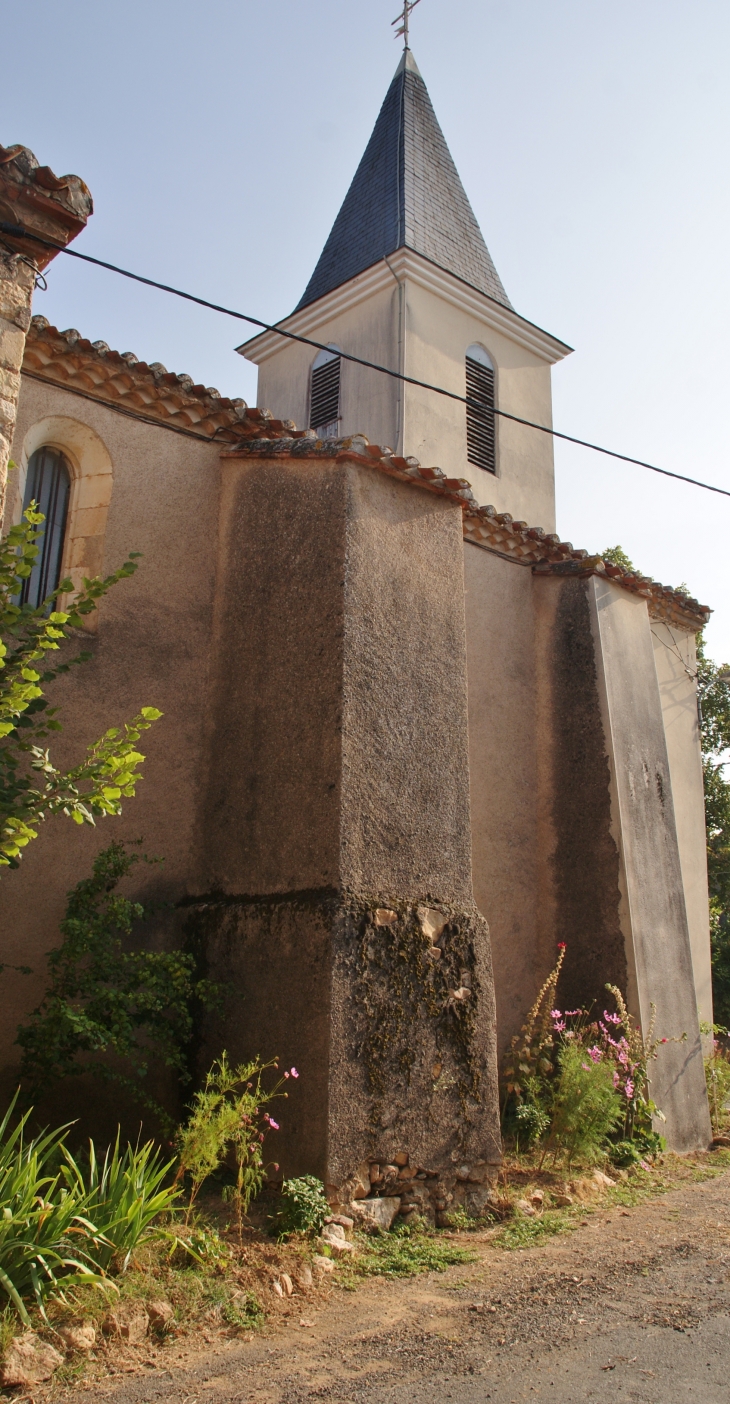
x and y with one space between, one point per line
70 190
121 380
484 525
154 394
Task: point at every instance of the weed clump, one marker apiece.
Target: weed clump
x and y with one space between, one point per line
304 1207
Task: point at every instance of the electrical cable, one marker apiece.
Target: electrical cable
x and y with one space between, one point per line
15 231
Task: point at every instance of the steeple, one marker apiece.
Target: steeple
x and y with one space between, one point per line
406 282
406 194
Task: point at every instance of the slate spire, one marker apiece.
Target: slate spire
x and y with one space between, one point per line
406 194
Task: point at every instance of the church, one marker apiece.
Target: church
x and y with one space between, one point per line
412 740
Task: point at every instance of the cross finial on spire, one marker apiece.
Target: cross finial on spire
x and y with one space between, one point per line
403 19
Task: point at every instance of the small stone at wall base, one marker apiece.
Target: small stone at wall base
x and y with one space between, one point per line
28 1361
81 1337
376 1213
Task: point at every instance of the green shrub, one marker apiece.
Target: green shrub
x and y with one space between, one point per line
717 1073
587 1107
106 999
304 1207
531 1122
228 1115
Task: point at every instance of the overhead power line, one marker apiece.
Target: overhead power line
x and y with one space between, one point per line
16 232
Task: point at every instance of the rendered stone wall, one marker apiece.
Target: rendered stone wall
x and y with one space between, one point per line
17 280
675 657
337 807
653 907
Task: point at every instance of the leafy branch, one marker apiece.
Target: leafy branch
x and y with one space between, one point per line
32 788
105 999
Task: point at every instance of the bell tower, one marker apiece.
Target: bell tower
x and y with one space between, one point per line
405 280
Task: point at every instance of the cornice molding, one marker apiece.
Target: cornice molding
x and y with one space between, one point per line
407 265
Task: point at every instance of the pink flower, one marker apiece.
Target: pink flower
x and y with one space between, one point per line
586 1066
561 945
273 1124
663 1040
616 1079
294 1072
611 1018
629 1089
555 1014
286 1074
595 1053
559 1026
275 1166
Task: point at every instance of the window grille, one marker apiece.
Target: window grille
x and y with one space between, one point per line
48 485
480 417
325 403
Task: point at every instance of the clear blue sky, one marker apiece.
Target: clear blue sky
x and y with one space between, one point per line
218 141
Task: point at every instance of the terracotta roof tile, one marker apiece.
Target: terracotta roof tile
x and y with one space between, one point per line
156 395
150 392
484 526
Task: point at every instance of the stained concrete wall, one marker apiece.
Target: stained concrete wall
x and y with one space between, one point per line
546 865
675 656
506 802
341 786
654 913
568 841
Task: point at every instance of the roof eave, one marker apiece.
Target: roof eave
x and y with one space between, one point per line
409 264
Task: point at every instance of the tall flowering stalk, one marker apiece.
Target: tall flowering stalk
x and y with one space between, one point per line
532 1050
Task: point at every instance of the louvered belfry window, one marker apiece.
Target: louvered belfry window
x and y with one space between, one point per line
480 417
48 485
325 402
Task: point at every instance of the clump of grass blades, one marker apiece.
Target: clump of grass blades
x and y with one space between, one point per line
125 1194
405 1252
46 1236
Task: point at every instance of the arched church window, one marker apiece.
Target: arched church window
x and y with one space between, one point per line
480 417
48 484
324 414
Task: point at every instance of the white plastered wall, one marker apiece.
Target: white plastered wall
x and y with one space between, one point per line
675 658
410 317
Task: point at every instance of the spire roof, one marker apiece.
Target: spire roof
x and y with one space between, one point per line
406 193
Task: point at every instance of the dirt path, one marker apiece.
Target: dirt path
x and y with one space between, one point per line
635 1305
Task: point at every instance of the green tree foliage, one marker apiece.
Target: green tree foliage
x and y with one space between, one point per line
713 686
31 786
105 998
228 1118
615 555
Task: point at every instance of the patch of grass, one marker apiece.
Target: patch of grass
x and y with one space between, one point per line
526 1233
405 1252
8 1328
460 1220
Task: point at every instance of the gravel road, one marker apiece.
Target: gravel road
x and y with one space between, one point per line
635 1305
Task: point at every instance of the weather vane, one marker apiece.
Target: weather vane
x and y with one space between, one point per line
403 19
